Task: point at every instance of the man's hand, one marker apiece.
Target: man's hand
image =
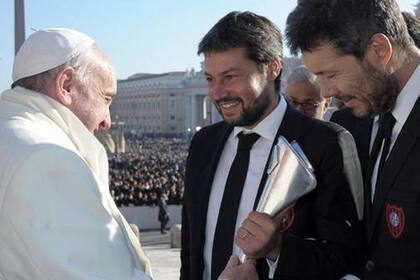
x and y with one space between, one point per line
259 237
236 271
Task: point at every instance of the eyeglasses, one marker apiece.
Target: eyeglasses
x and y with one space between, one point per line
307 106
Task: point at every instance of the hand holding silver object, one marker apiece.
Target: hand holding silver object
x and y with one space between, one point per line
289 177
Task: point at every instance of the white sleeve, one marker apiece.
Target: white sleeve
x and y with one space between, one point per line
55 223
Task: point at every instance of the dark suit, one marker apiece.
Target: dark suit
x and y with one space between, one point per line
321 214
392 221
360 128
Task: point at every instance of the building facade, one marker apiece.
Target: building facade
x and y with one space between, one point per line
173 103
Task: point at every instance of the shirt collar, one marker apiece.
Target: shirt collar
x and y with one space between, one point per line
268 127
407 98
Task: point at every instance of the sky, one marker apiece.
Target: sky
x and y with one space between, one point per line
139 36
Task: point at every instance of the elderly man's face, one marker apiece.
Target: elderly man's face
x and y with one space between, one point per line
92 106
306 98
93 100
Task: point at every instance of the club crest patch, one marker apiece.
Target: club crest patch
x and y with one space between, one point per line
395 219
287 220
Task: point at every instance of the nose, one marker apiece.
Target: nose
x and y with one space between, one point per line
106 122
216 90
328 89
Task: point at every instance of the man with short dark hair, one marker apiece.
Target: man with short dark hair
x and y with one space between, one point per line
226 168
362 54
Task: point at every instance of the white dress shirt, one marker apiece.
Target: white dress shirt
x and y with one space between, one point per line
403 107
259 154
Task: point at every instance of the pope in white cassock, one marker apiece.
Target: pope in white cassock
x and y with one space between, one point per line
57 218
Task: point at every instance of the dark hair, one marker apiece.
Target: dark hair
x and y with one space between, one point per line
261 38
413 26
346 24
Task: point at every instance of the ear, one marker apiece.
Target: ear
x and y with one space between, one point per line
379 51
274 68
64 83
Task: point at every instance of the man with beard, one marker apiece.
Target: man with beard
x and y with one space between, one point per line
317 238
304 95
363 55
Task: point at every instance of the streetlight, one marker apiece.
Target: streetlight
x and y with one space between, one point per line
19 24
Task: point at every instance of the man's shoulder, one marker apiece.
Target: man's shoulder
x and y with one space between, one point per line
23 142
31 164
320 128
206 141
41 154
213 130
346 119
21 132
318 137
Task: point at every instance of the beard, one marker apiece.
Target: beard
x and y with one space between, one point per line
251 114
382 94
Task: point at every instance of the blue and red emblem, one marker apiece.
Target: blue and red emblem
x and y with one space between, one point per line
395 219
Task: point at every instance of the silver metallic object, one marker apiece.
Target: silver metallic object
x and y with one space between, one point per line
289 177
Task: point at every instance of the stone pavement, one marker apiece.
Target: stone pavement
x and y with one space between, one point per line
165 260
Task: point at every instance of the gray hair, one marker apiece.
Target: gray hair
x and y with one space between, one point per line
302 74
85 64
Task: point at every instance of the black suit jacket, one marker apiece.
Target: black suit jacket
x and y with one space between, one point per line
320 244
392 222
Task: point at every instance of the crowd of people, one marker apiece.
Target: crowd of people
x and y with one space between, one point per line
150 166
361 222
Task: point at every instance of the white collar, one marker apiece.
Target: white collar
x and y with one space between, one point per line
268 127
407 98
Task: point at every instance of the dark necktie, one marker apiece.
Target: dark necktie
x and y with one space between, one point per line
226 221
386 124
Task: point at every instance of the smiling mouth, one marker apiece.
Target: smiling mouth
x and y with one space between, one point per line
228 103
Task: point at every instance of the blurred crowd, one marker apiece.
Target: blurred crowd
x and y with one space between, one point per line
150 167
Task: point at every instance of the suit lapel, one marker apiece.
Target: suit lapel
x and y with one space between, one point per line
210 169
202 194
291 128
362 134
406 140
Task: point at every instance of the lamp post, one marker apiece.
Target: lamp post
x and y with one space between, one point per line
19 24
119 135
